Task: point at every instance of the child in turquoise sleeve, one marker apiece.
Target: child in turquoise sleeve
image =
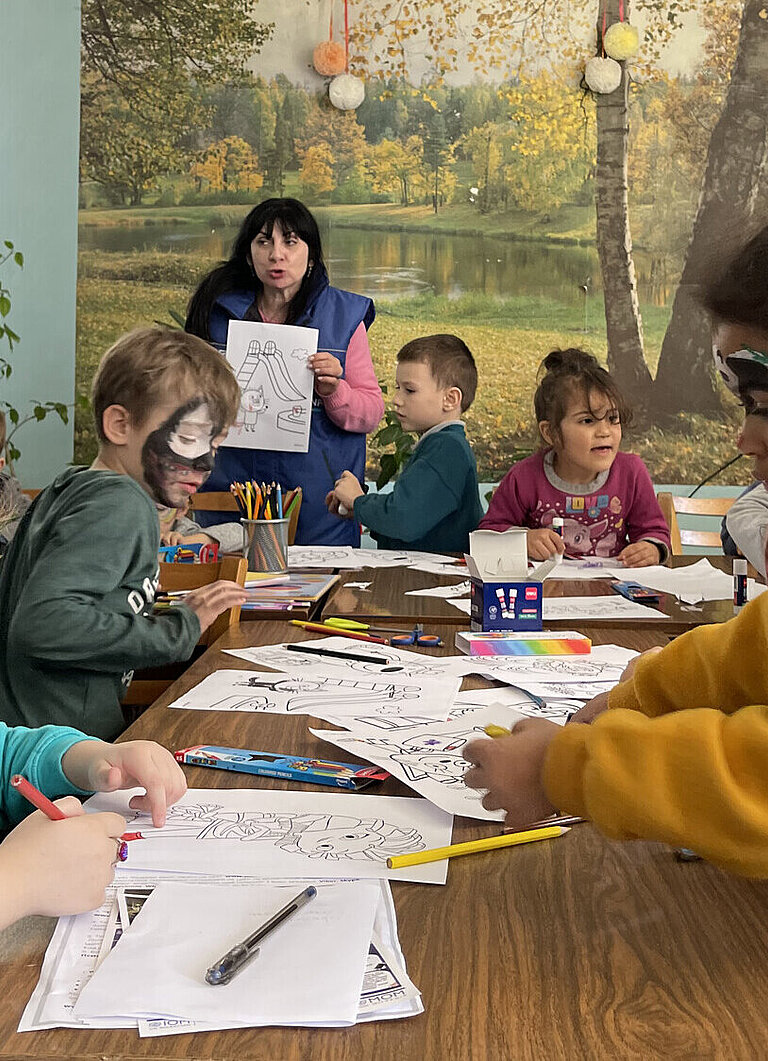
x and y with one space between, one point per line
63 867
78 580
435 501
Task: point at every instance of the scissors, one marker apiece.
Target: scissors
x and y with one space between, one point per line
402 637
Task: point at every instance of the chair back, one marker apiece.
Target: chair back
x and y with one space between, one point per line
174 577
715 507
223 501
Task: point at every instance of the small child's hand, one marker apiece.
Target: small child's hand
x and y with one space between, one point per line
209 602
543 543
347 490
57 868
335 507
589 712
511 769
328 372
640 554
174 538
100 767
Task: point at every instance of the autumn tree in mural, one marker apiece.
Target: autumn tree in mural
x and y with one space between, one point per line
139 62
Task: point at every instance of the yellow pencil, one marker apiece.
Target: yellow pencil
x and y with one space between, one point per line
435 854
497 731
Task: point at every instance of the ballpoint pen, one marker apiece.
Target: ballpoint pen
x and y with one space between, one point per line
230 964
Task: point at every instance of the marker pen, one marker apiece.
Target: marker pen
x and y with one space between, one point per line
739 583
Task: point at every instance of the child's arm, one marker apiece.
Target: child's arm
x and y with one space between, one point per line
72 610
696 779
647 529
229 536
58 868
422 497
506 508
747 523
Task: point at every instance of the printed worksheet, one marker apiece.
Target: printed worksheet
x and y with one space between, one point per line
605 663
276 385
613 607
378 659
260 832
313 690
341 557
428 758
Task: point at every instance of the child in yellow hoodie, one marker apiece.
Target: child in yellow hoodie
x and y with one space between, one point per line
681 753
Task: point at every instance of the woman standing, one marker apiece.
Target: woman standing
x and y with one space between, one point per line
276 275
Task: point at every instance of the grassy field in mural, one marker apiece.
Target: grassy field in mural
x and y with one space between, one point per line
119 291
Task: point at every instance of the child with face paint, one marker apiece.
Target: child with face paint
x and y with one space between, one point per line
678 751
78 581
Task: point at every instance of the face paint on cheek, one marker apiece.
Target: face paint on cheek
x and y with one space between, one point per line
178 456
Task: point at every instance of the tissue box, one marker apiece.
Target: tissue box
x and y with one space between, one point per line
505 605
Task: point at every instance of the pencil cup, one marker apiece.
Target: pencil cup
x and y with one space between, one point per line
265 543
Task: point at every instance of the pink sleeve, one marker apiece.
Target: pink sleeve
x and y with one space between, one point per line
645 521
357 403
505 509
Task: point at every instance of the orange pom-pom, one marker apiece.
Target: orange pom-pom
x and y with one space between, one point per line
329 58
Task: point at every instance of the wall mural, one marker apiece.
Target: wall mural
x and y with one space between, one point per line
460 194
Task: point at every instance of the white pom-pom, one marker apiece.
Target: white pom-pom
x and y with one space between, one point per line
346 92
602 75
621 41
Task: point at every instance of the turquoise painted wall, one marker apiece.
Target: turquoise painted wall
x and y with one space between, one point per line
39 133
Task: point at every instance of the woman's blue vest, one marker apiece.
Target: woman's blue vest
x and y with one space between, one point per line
336 314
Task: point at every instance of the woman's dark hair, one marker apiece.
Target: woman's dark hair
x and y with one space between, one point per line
237 272
739 292
564 371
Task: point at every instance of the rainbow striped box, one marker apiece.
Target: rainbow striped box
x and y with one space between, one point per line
505 643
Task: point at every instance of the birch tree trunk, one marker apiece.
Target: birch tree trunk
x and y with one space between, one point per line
626 360
731 206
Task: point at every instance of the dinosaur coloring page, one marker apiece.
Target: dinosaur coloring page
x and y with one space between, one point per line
276 383
265 833
428 758
315 692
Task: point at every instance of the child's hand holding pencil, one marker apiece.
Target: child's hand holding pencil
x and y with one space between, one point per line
511 769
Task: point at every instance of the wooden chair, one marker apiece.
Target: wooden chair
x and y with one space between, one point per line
671 505
223 501
148 685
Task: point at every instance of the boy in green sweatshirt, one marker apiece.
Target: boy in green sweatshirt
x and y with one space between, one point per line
435 501
79 578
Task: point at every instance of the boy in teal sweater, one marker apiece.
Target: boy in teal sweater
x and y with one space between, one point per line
435 501
62 867
79 578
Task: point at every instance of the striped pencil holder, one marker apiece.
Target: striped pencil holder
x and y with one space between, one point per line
265 544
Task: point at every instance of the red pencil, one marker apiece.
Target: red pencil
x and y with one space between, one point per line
37 799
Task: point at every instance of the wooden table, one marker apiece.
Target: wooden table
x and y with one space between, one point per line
578 948
386 598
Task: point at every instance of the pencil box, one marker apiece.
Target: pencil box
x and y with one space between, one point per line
506 643
289 767
635 592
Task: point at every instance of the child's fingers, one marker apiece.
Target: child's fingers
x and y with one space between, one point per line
70 805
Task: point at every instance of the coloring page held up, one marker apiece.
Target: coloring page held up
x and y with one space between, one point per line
276 383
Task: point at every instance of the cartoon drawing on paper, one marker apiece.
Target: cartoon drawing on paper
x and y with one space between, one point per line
342 690
252 405
563 669
317 556
271 367
322 836
427 756
407 664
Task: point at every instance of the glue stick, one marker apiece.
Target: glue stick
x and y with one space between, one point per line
739 583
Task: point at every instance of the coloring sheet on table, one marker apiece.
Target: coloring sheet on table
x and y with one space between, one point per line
406 663
260 832
613 607
446 592
455 570
191 925
464 705
276 383
428 758
77 942
342 557
592 567
604 664
314 690
400 558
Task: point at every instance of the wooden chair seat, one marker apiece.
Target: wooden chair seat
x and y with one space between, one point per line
671 505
